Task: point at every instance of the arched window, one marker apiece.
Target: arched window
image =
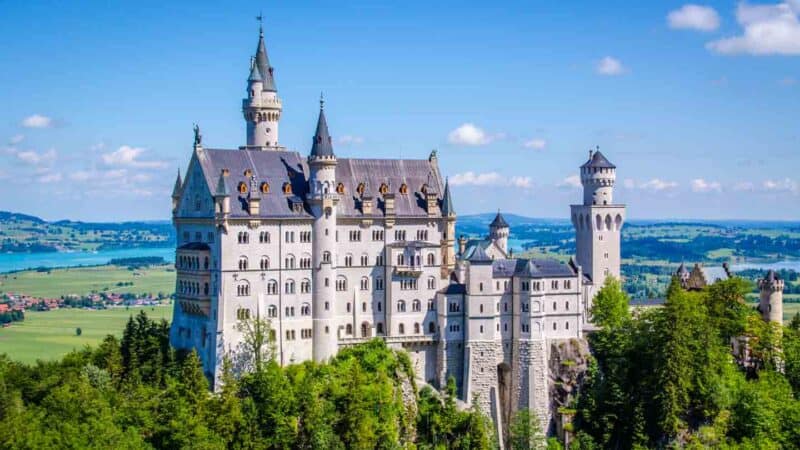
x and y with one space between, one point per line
263 237
348 330
416 328
404 188
272 311
287 188
384 188
348 260
272 287
264 188
341 283
205 263
242 188
379 328
431 259
326 257
364 283
416 306
305 309
243 288
340 188
401 259
243 237
401 306
431 327
431 282
364 330
401 329
361 188
305 286
264 263
289 286
289 262
248 173
242 263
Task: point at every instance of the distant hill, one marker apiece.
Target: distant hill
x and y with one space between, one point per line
23 233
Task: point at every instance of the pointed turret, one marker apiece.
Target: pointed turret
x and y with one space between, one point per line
255 74
176 192
499 221
323 144
447 201
222 187
262 63
499 232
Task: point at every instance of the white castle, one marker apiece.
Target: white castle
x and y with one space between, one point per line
336 251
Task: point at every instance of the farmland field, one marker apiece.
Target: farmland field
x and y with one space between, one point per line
87 280
50 335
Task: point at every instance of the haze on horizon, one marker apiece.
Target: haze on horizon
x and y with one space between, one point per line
698 112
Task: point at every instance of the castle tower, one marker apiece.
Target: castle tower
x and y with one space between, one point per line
261 107
771 301
323 200
499 231
449 234
598 221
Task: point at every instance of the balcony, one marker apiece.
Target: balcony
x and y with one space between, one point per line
408 271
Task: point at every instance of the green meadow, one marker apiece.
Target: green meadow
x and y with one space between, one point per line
49 335
87 280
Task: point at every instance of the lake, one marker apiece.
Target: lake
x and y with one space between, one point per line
20 261
777 265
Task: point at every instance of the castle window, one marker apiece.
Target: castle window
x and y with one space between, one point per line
416 328
340 188
243 237
242 314
243 288
341 284
384 188
379 285
289 262
554 306
326 257
348 260
348 330
379 328
431 282
264 263
364 283
416 306
289 287
242 188
481 308
242 263
403 189
401 329
480 287
431 327
248 173
566 325
424 189
364 307
361 188
272 287
348 307
555 326
305 286
401 306
364 260
272 311
287 188
305 309
263 237
431 258
431 305
264 188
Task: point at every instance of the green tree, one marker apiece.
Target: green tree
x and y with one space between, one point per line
526 431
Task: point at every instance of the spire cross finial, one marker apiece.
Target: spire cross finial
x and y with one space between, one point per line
260 19
321 101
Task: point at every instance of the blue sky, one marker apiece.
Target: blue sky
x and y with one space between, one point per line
696 104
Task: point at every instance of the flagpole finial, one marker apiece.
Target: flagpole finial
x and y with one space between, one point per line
260 19
321 101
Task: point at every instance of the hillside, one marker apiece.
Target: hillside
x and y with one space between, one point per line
21 233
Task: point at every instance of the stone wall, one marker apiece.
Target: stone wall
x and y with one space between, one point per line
530 379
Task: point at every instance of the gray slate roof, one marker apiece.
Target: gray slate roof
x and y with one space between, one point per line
499 221
279 167
479 256
531 268
323 144
599 161
447 201
262 62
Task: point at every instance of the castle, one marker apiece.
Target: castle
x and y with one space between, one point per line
335 251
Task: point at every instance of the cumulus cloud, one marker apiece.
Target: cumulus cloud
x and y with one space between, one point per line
471 135
37 121
701 185
694 17
490 179
657 184
127 156
35 158
785 185
570 182
772 29
744 186
609 66
16 139
350 140
535 143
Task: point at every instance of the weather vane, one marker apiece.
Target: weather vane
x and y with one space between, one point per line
260 19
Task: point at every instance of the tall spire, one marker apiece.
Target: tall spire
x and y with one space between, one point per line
323 145
447 201
262 61
176 190
222 188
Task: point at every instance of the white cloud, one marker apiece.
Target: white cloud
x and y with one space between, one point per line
570 182
37 121
36 158
785 185
744 186
521 182
536 144
469 134
701 185
53 177
350 140
480 179
16 139
80 176
694 17
657 184
610 66
772 29
128 156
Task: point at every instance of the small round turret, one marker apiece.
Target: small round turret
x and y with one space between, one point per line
598 176
771 299
499 232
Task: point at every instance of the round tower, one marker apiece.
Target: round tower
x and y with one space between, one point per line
323 199
771 301
598 177
262 107
499 231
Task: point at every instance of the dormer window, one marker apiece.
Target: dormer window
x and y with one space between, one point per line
404 188
242 188
384 188
248 173
340 188
424 189
287 188
361 188
264 188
